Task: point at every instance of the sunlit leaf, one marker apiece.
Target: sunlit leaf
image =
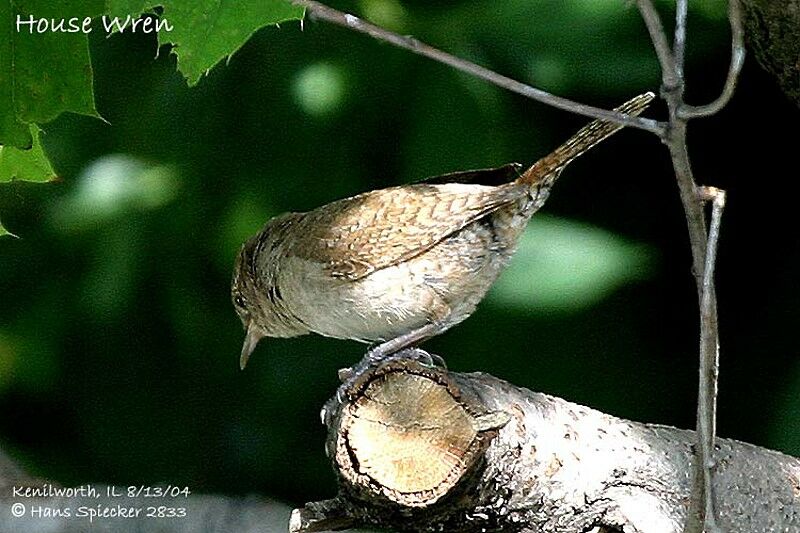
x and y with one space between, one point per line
390 14
567 266
205 32
4 232
42 74
26 165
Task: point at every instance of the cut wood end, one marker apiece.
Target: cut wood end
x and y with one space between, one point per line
409 435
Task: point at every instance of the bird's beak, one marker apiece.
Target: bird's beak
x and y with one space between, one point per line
250 341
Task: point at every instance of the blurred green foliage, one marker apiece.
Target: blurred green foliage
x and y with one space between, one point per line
118 343
564 266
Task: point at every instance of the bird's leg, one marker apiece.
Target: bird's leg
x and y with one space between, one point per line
392 346
384 352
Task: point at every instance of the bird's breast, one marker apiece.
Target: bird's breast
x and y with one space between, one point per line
380 306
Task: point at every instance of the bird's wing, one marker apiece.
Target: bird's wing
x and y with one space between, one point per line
357 236
484 176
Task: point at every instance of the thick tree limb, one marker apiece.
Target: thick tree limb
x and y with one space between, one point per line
422 449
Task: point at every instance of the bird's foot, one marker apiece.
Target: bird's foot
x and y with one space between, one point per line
374 358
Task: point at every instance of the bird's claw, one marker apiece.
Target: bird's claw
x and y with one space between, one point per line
373 358
345 374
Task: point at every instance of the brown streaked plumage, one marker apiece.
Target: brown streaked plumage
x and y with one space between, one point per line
396 265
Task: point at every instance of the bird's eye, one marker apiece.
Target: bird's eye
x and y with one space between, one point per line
239 301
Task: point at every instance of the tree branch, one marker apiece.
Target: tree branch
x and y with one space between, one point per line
773 34
679 46
328 14
669 73
735 68
709 366
702 244
418 448
709 330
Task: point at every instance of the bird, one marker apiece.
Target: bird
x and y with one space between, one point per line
396 266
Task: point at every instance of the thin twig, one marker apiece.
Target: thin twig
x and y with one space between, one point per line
692 200
710 366
679 45
352 22
703 244
669 74
735 68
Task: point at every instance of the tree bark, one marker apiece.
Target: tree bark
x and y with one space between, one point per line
417 448
773 33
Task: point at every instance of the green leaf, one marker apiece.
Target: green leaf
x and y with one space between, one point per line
206 31
123 8
27 165
4 232
12 131
42 74
566 266
45 74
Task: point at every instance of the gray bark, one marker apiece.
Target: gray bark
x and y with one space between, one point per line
555 466
773 33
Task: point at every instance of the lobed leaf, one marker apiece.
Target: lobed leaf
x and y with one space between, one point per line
27 165
204 32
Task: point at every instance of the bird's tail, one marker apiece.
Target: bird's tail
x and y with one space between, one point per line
587 137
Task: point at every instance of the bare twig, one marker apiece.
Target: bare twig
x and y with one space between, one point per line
679 46
323 12
709 330
709 365
737 61
703 243
669 74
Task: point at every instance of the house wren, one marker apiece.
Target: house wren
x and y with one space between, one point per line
397 265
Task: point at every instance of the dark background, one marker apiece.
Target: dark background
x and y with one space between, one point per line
118 343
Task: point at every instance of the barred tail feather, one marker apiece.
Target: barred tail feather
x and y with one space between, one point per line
586 138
